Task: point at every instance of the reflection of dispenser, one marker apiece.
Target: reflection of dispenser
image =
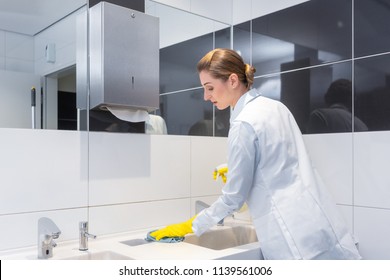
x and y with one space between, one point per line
124 58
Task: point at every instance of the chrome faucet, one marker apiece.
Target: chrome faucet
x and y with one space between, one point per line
47 232
84 235
200 205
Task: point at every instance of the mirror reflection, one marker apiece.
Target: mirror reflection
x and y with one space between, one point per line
38 63
38 50
40 45
184 38
181 47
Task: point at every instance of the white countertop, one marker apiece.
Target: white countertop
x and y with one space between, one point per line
111 247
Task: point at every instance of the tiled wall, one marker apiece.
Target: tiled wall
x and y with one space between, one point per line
119 182
16 52
372 193
298 52
141 181
226 11
124 182
43 173
354 167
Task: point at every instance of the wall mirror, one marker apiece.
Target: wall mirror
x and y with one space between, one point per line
184 38
37 50
38 44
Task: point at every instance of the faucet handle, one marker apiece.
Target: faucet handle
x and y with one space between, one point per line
83 225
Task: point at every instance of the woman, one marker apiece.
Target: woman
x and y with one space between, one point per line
294 216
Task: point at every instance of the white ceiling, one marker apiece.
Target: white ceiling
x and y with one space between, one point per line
31 16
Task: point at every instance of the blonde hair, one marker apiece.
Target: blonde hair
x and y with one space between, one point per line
221 63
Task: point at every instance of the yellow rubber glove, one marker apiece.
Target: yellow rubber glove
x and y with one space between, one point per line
221 171
174 230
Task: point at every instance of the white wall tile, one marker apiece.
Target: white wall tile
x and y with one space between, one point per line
331 155
21 230
206 154
178 25
372 228
19 46
18 52
180 4
150 7
264 7
42 170
346 213
135 216
371 169
244 10
133 167
15 105
63 35
64 58
19 65
219 10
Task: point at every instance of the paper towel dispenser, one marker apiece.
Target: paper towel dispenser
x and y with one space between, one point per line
124 58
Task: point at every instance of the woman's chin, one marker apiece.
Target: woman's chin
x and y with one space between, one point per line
220 106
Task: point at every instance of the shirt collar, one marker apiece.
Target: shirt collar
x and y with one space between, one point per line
244 99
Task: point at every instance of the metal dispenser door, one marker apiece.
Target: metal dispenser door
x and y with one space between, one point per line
124 58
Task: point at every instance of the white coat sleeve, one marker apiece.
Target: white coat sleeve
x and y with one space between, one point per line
242 158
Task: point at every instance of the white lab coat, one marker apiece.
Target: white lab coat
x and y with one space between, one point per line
292 211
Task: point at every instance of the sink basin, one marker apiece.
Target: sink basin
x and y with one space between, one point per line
135 242
104 255
224 237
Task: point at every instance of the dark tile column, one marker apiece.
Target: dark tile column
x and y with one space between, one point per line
138 5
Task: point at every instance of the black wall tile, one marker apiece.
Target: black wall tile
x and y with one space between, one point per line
372 86
186 113
372 27
318 31
178 63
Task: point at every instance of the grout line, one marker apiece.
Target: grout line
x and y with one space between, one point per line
288 71
44 210
353 112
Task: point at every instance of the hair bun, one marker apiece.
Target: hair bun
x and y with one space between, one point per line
249 73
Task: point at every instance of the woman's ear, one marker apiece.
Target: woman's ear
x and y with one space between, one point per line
233 80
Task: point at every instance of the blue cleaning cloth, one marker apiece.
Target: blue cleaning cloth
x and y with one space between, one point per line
164 239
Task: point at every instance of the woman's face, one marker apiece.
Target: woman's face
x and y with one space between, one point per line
216 90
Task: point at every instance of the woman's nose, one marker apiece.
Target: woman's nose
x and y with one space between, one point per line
206 96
